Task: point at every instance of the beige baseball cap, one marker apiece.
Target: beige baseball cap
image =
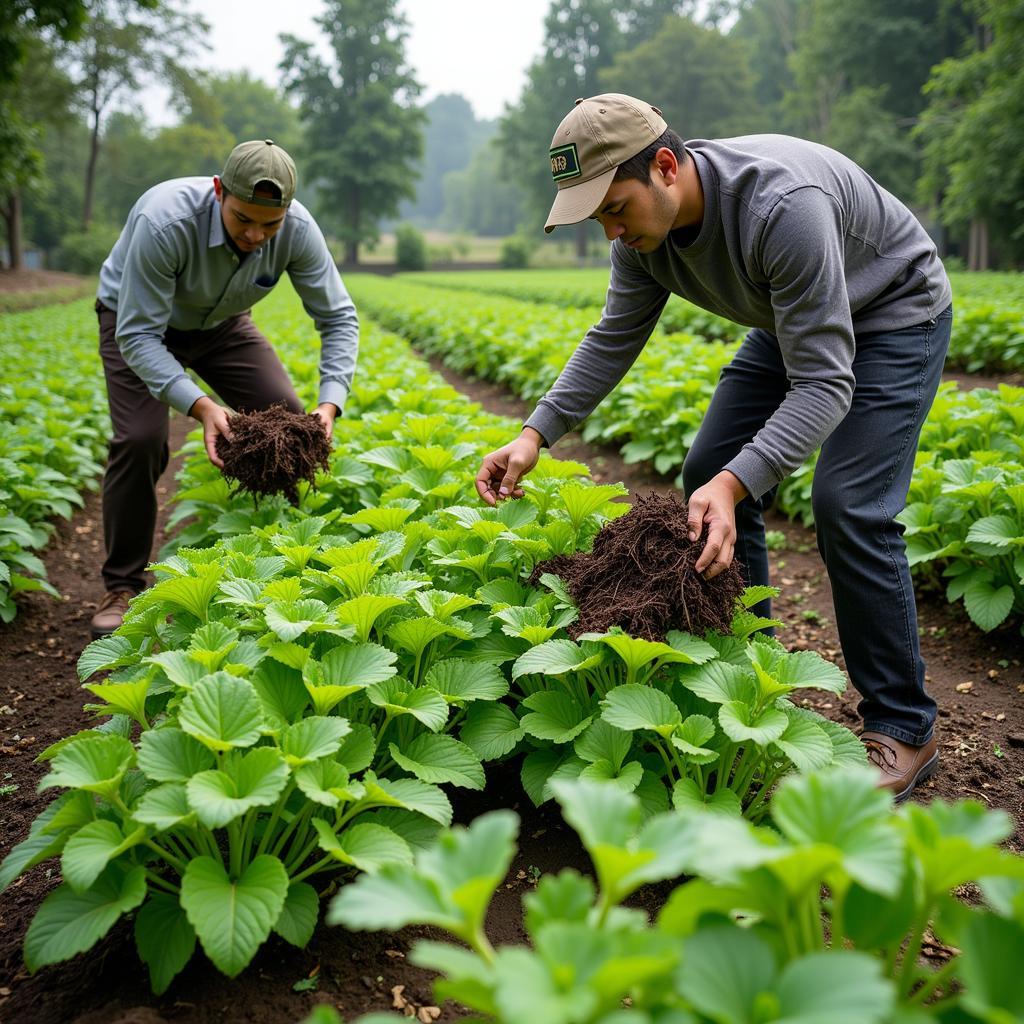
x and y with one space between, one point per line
258 160
597 135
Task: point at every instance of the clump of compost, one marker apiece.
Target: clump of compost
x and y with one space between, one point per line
640 575
273 449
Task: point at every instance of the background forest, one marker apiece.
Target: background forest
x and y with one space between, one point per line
928 95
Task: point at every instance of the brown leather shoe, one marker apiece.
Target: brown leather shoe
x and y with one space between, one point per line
110 613
901 766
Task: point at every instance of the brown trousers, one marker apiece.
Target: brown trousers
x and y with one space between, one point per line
234 359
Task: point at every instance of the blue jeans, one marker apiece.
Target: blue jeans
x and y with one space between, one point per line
860 485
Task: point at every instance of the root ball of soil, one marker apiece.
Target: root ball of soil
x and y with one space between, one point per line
640 576
273 449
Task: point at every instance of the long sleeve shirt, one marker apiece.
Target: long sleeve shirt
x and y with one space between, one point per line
796 239
174 267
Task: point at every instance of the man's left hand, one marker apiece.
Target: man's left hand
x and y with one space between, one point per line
327 411
715 504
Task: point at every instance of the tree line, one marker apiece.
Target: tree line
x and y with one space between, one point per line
928 95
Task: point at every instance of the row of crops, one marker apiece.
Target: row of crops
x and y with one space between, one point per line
965 515
289 707
988 320
53 431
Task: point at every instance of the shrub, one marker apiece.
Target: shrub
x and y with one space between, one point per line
410 248
515 252
83 252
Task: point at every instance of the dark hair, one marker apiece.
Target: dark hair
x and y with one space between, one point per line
639 167
264 189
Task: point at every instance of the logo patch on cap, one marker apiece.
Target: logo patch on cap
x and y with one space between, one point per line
565 162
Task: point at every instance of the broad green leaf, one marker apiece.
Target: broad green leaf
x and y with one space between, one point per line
164 807
845 810
604 742
107 652
366 846
808 669
634 706
68 922
346 669
283 698
164 938
460 681
392 898
357 749
88 852
637 653
603 816
987 605
997 532
312 738
95 763
556 657
290 619
170 755
440 759
254 779
491 731
122 698
415 635
990 968
554 715
180 667
410 795
364 611
806 744
720 682
45 838
324 782
222 712
298 915
626 777
841 987
582 501
424 703
233 917
691 736
687 796
741 724
192 593
697 651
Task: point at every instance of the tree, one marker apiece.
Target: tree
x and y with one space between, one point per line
363 128
699 79
452 135
580 38
121 46
479 200
21 163
973 135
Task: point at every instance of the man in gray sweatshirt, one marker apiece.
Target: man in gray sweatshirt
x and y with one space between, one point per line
850 312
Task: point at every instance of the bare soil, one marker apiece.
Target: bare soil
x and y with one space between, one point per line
977 679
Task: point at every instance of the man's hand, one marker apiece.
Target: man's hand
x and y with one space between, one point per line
715 504
501 471
214 419
327 411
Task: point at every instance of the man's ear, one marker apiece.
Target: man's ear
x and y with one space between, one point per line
666 164
218 189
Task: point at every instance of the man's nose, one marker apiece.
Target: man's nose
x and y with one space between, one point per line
613 230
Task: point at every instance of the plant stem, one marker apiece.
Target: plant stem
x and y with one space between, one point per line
161 883
313 869
935 982
179 865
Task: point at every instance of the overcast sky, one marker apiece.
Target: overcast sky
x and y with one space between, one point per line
479 48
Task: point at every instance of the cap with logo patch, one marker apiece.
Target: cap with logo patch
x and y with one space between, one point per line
258 160
597 135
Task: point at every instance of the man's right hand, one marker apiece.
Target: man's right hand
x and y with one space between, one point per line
214 419
501 471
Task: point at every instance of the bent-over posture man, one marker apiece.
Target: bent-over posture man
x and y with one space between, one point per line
849 310
175 292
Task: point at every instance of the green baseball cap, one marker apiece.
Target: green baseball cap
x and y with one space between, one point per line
255 161
597 135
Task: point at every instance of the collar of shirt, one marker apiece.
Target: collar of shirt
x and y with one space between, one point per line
216 234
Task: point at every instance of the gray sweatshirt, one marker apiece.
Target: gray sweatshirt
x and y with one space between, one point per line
797 240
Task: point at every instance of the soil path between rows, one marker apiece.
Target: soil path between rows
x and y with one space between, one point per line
981 736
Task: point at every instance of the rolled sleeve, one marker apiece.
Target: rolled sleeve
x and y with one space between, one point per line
325 299
144 308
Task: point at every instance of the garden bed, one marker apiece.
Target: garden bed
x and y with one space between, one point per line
42 702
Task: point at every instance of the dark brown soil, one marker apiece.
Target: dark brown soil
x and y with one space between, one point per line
982 743
640 575
272 450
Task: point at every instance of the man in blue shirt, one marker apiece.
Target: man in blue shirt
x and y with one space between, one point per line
176 292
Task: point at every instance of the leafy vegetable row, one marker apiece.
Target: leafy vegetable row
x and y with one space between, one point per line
969 462
53 431
285 703
820 919
988 321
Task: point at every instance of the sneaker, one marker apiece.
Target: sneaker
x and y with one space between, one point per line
901 766
110 613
